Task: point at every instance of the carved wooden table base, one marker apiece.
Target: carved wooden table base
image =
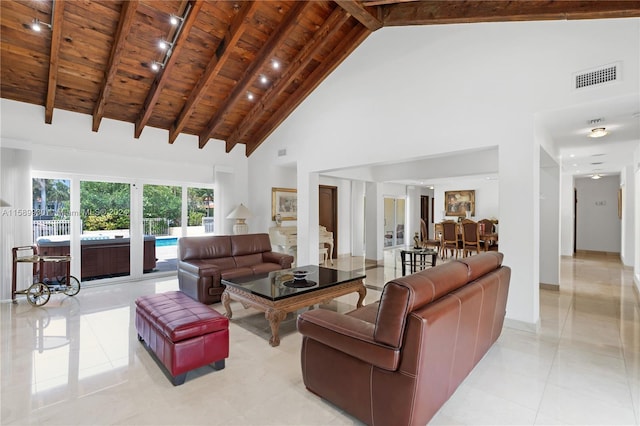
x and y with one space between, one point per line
276 310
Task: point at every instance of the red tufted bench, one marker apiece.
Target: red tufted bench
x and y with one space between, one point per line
182 333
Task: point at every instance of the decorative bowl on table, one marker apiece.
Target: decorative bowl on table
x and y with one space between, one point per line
300 275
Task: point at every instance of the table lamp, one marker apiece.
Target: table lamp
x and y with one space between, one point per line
240 214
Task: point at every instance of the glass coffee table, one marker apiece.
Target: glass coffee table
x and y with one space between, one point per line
278 293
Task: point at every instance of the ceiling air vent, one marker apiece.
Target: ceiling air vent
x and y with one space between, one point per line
600 75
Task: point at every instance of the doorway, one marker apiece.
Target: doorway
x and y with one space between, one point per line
328 212
425 208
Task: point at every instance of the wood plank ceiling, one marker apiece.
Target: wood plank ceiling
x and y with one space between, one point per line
217 78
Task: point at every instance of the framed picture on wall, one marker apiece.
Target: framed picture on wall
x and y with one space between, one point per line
284 202
458 203
619 203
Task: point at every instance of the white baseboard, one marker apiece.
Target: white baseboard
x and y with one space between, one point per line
522 325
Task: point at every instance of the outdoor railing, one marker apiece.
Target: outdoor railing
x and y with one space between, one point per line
47 228
155 226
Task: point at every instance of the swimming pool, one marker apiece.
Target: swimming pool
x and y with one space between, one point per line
166 241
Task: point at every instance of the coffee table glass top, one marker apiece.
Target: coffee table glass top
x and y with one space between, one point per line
281 284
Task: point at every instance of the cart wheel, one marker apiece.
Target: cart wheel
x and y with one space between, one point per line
73 287
38 294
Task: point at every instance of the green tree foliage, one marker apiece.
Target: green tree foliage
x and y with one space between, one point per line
163 202
51 197
104 205
200 202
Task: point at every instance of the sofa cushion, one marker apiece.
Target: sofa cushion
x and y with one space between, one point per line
248 260
265 268
207 247
406 294
236 273
482 264
250 243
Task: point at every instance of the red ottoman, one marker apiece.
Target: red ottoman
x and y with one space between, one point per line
182 333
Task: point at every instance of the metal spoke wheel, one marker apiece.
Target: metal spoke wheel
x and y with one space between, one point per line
72 287
38 294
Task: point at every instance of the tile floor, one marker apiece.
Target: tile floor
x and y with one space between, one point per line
77 361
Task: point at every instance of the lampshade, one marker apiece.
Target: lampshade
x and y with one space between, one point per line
240 212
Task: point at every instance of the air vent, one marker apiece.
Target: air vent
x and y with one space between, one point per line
600 75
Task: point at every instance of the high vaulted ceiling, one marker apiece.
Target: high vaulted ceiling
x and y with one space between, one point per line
217 78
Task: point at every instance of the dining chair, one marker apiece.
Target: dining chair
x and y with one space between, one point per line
470 237
436 241
486 227
450 238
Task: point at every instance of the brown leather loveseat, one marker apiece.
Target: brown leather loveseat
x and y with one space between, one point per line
395 362
204 261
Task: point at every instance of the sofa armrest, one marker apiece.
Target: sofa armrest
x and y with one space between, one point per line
350 335
189 267
282 259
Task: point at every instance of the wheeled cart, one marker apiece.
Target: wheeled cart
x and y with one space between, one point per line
39 292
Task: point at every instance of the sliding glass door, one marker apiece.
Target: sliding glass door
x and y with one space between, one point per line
162 226
394 221
105 240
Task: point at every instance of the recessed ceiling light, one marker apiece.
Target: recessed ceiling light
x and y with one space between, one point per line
596 176
250 96
275 64
572 155
598 132
264 79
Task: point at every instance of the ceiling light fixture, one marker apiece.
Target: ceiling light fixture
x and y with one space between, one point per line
275 64
598 132
250 96
264 79
164 45
36 25
596 176
155 65
175 20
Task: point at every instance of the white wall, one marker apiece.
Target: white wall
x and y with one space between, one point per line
15 220
549 220
598 226
566 214
628 224
636 174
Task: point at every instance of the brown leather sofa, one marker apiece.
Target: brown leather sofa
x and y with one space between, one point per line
395 362
204 261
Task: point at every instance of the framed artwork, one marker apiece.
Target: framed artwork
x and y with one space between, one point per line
458 203
284 202
619 203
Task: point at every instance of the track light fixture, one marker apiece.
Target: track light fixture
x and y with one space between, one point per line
164 45
36 25
175 20
155 66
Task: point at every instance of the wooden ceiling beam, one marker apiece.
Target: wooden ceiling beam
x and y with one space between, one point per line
347 45
264 56
163 75
236 29
335 21
358 11
451 12
57 17
127 15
